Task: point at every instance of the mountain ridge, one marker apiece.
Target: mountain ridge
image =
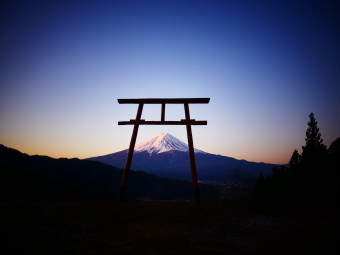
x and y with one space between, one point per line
166 156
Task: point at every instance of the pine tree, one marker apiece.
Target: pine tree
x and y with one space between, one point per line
314 152
313 136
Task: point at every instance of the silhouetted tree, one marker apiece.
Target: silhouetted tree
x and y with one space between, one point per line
334 154
313 136
311 184
314 153
295 159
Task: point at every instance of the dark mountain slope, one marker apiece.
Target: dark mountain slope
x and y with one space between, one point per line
40 177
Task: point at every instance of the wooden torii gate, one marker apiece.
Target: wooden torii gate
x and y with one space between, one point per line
138 121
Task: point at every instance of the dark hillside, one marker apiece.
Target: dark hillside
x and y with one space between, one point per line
41 177
35 220
110 227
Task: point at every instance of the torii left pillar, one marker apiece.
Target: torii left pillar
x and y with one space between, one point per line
138 121
130 153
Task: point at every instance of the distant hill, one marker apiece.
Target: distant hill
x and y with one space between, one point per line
41 177
166 156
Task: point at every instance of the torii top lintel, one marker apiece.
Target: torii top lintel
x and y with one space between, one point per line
164 101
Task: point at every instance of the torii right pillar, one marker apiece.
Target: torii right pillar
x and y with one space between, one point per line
192 155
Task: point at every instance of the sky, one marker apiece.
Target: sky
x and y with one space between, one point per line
265 65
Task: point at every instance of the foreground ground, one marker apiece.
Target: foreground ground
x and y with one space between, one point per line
109 227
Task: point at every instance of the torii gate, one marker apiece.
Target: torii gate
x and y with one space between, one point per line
138 121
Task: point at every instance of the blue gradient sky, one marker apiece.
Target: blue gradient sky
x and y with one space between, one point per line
265 66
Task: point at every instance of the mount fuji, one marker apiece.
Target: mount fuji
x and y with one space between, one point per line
163 142
167 156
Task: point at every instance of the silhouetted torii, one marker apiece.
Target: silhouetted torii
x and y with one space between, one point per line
138 121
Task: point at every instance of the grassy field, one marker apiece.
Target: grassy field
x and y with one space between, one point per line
110 227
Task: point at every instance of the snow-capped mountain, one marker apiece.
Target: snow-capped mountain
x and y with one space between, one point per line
167 156
163 142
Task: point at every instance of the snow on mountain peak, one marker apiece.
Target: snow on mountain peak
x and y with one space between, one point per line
161 143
